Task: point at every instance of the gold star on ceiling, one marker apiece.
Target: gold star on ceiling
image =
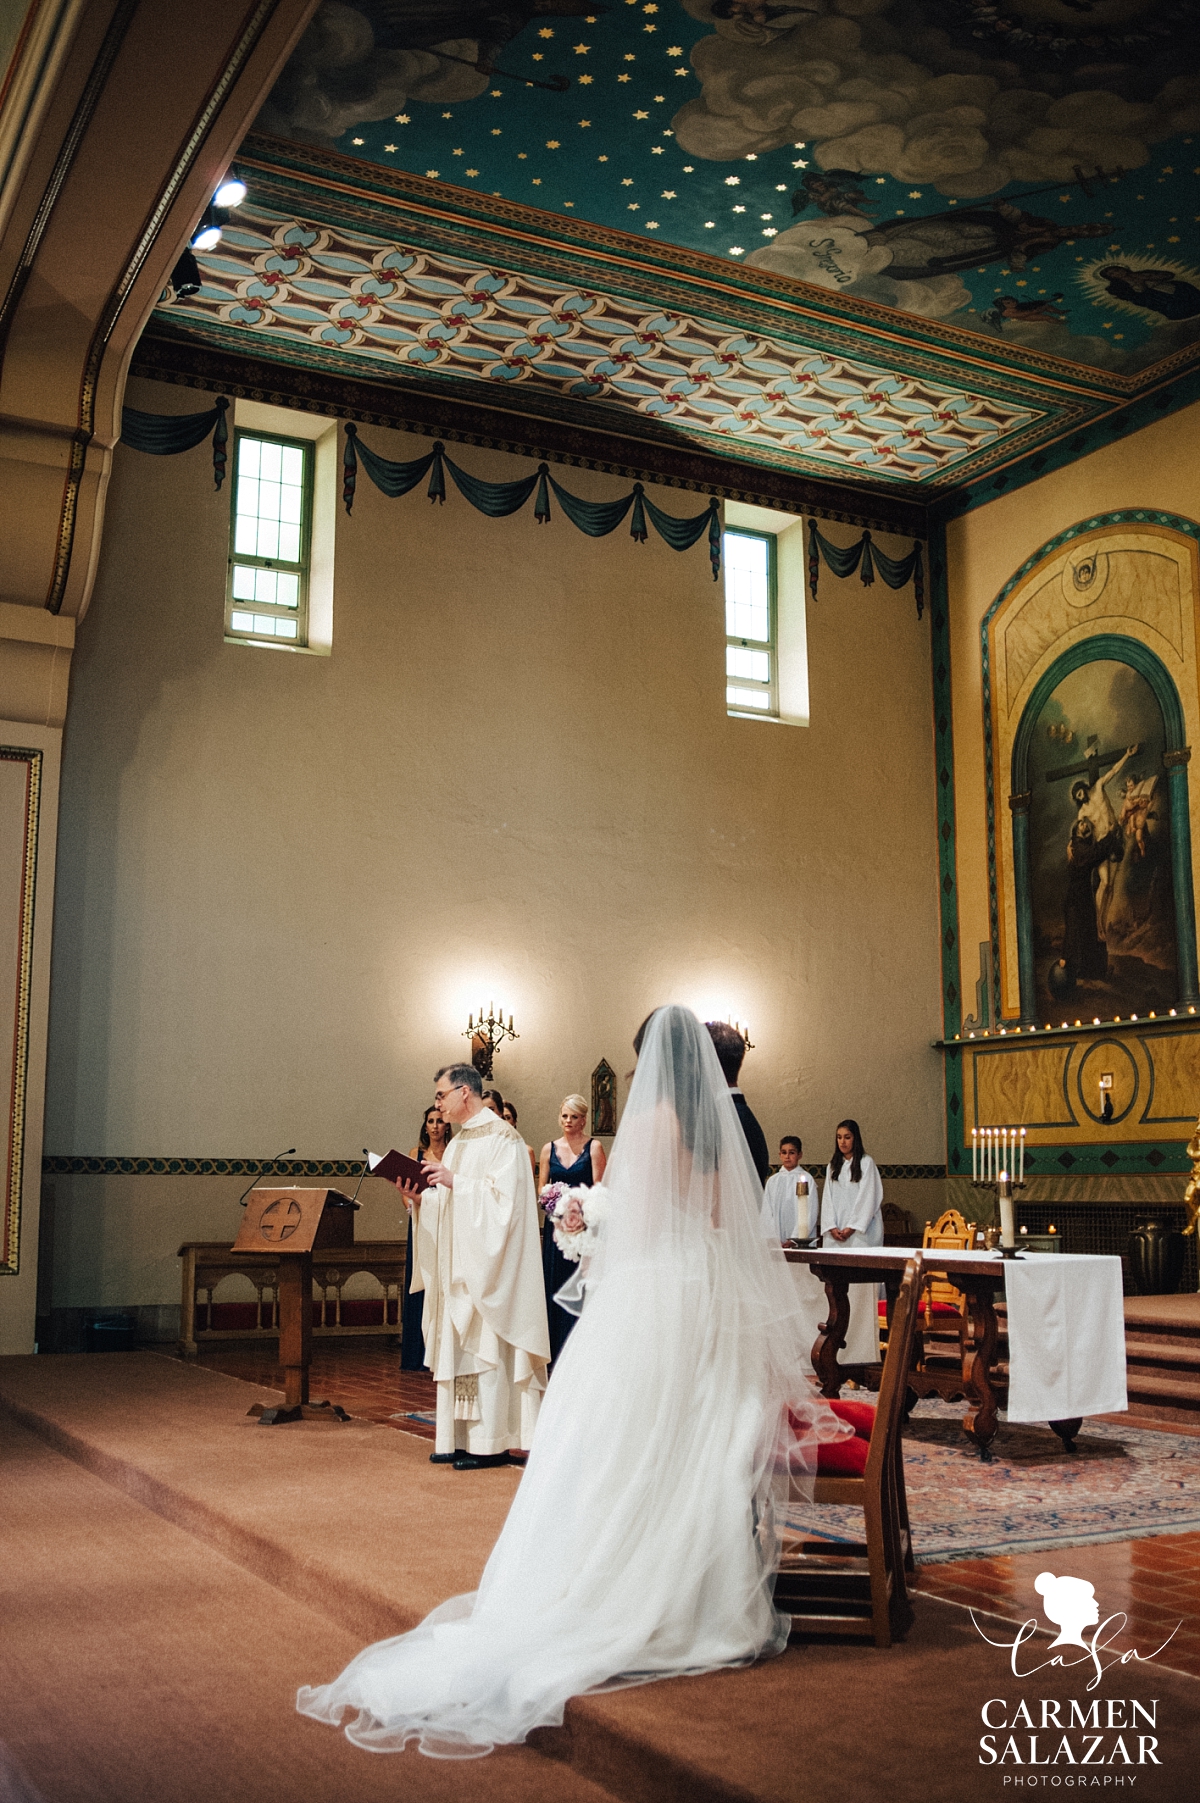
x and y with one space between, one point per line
389 147
403 119
581 49
624 78
668 194
585 81
641 115
545 32
674 49
552 144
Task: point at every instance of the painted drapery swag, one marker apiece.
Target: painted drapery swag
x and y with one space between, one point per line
166 434
498 499
866 557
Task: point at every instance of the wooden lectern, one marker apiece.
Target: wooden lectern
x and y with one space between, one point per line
293 1224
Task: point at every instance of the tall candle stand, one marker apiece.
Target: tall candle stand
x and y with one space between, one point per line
998 1165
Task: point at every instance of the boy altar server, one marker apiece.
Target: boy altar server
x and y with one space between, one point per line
478 1257
790 1207
790 1213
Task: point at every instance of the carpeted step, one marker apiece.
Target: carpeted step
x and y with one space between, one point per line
1179 1390
1154 1351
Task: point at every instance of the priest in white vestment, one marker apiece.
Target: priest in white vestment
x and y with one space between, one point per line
478 1258
790 1213
851 1216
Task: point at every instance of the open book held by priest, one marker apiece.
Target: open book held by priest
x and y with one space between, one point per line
397 1167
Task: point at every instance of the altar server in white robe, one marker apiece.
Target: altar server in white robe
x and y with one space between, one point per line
790 1213
790 1209
851 1215
478 1257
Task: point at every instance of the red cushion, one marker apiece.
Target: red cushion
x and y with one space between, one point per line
943 1308
842 1458
882 1310
860 1415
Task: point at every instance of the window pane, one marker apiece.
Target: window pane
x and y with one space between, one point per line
243 582
285 629
289 544
751 666
268 538
759 699
747 589
287 590
241 622
289 503
271 459
248 461
293 464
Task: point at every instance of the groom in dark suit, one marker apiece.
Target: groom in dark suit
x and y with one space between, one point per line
731 1049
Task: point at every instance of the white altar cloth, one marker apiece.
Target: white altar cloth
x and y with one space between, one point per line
1066 1330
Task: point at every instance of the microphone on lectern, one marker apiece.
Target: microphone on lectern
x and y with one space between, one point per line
286 1153
361 1175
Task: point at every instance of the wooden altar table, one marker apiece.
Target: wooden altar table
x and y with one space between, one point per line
979 1275
206 1262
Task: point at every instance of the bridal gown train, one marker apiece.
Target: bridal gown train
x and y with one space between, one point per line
640 1542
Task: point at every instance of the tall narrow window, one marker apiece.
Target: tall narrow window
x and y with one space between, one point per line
267 597
751 674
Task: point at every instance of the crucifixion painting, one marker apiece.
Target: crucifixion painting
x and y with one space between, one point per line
1100 866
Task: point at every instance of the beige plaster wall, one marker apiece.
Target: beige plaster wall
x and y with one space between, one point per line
286 879
1153 468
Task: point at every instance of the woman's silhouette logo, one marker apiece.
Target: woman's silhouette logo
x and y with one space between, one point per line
1070 1603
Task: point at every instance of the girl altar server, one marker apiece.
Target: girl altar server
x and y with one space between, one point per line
851 1216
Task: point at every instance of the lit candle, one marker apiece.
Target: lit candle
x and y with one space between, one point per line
1021 1178
470 1023
974 1155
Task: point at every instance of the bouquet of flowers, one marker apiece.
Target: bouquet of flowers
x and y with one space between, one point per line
577 1216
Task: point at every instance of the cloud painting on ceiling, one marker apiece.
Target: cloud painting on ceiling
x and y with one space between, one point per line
1028 169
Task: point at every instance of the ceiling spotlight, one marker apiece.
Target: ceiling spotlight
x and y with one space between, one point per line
207 238
231 193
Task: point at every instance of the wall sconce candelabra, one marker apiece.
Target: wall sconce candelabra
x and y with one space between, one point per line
487 1034
998 1164
744 1031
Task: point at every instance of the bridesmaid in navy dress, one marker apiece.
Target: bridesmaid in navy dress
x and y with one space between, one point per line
435 1137
573 1159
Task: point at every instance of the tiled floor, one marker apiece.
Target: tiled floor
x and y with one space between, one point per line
1154 1583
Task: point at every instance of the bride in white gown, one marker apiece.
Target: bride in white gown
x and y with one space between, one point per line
641 1543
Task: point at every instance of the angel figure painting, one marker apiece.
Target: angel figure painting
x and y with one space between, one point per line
1100 848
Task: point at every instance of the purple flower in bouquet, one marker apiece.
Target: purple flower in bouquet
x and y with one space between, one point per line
552 1199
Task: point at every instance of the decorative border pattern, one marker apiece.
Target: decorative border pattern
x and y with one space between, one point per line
63 1166
201 1167
943 738
1072 445
10 1247
383 298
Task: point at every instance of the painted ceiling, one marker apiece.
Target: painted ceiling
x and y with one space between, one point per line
1028 170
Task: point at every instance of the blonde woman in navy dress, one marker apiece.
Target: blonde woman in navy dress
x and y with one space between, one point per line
574 1159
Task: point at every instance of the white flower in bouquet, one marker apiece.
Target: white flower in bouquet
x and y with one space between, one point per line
578 1216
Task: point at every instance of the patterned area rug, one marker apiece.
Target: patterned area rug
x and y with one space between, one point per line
1121 1483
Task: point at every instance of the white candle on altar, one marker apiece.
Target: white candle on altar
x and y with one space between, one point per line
987 1156
1007 1230
1021 1178
974 1155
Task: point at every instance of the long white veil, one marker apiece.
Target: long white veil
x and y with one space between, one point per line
641 1542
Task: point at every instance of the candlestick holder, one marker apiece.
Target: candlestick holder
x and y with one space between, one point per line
487 1034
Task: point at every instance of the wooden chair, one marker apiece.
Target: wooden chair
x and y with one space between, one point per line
944 1309
834 1588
